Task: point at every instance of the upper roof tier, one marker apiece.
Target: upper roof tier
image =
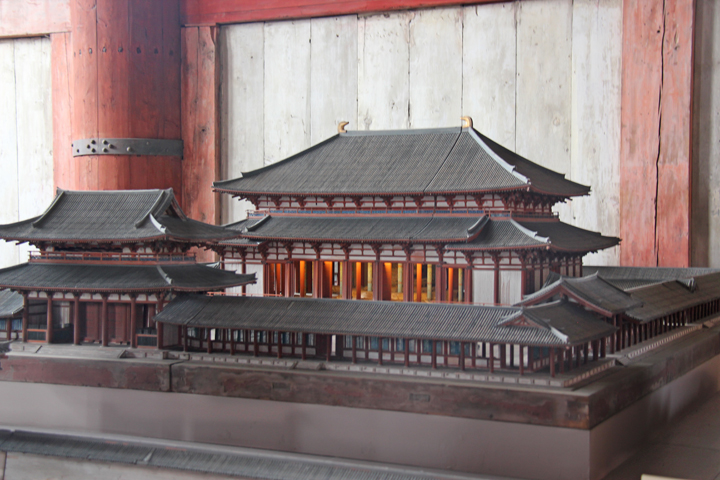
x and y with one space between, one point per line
121 216
402 162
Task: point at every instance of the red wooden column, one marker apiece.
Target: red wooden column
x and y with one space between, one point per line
76 319
25 317
49 334
104 327
159 325
133 321
117 75
656 124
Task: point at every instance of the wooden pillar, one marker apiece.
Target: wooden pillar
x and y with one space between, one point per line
49 334
656 133
407 352
124 84
328 338
232 341
358 280
354 349
468 285
451 283
521 362
303 275
418 282
496 279
462 355
380 351
159 325
255 343
491 359
76 319
25 316
303 349
185 338
279 344
209 341
133 321
104 327
552 362
433 355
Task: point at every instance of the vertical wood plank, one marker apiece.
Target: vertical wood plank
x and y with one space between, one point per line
383 66
8 148
489 61
706 137
435 89
170 123
200 123
61 65
287 76
595 151
544 82
333 74
641 86
34 128
85 80
242 60
674 163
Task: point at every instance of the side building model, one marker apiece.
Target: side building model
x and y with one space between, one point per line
107 262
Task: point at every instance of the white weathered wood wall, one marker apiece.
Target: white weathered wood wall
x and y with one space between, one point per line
26 160
541 77
706 137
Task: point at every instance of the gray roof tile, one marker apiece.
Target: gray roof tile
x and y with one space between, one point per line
106 216
454 322
11 303
672 296
401 162
119 278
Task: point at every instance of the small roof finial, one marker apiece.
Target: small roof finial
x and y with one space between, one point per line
466 122
341 127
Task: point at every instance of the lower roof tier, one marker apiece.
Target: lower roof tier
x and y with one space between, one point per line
463 233
119 278
558 324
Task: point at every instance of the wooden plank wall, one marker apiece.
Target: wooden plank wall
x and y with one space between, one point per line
26 135
23 18
552 93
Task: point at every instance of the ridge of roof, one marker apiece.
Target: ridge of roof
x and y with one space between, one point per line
38 223
478 137
530 233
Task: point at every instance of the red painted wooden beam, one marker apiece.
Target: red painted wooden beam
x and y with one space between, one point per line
655 168
32 18
214 12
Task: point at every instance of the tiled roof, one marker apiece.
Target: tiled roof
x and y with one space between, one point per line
632 277
661 299
432 321
119 278
360 228
553 234
562 319
11 303
123 215
402 162
198 460
591 289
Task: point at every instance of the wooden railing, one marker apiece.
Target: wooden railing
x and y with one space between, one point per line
102 257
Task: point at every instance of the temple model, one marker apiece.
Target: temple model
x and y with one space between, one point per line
107 262
409 215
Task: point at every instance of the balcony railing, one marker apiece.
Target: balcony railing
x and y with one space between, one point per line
103 257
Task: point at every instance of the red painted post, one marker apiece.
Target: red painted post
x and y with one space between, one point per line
76 319
104 327
25 316
49 334
133 321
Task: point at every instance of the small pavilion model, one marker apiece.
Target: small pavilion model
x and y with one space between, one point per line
107 262
410 215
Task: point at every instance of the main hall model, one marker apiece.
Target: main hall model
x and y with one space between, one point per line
408 215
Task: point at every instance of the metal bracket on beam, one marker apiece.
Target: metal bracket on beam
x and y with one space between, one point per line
127 146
